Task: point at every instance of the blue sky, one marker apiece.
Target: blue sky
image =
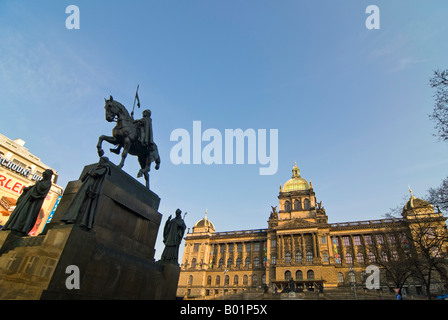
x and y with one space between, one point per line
350 104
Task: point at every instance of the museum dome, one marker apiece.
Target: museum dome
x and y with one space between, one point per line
416 204
296 183
204 225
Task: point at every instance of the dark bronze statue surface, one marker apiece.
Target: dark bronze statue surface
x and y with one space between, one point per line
81 210
134 136
172 237
28 206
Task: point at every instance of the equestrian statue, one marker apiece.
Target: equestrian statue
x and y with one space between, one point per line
133 136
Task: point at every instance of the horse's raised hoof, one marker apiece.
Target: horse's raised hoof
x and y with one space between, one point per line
157 167
100 152
116 151
139 174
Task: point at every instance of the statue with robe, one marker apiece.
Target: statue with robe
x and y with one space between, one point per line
81 210
28 206
172 238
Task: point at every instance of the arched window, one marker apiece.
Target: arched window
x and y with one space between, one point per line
299 275
306 204
226 280
245 280
287 206
351 277
287 275
193 263
263 279
256 262
310 275
238 262
288 257
297 205
235 280
340 277
190 280
217 280
209 280
229 262
254 280
247 262
309 256
299 257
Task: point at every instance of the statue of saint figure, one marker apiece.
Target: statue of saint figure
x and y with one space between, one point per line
81 210
28 205
172 237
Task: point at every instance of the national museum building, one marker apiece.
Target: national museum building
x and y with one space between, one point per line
19 169
298 244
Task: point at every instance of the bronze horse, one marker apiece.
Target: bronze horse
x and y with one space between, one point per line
126 135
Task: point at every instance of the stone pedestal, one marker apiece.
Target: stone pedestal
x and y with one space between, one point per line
115 259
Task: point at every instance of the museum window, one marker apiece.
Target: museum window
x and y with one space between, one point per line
297 205
323 239
231 248
351 277
256 262
257 246
346 241
299 257
196 247
29 265
238 262
245 280
379 239
310 275
368 239
221 262
325 257
357 240
263 279
309 256
348 258
247 262
254 280
217 280
226 280
190 280
287 206
288 275
239 247
299 275
288 257
209 280
360 257
235 280
222 248
273 243
371 257
340 278
229 262
248 247
391 238
273 259
193 263
306 204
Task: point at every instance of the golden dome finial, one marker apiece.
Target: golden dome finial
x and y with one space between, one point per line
295 171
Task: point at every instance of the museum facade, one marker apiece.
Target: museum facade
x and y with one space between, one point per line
19 169
298 244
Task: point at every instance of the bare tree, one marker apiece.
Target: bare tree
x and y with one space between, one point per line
439 82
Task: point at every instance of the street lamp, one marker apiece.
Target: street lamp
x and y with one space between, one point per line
224 285
352 273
